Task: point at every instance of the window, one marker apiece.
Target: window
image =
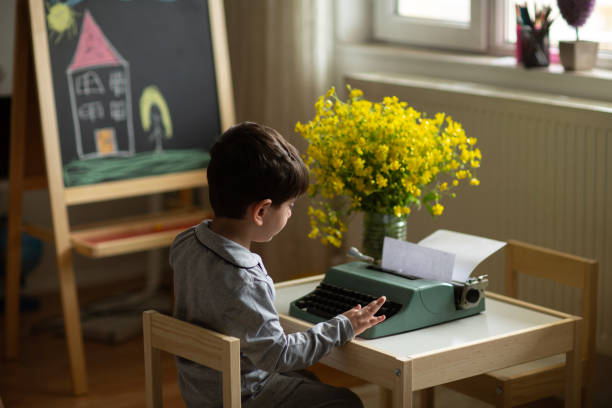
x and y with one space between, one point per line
479 25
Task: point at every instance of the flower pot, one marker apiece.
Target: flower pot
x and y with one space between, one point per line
578 55
376 227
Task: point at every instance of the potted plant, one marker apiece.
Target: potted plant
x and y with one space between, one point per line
381 159
577 55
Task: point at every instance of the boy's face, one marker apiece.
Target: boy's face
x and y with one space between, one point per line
275 220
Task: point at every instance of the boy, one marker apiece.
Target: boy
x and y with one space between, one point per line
254 177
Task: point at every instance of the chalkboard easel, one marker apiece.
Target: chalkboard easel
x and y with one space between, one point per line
94 119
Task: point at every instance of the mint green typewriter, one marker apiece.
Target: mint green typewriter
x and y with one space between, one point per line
412 303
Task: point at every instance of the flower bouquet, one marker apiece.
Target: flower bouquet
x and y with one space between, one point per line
383 159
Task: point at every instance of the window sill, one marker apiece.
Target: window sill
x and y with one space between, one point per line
489 70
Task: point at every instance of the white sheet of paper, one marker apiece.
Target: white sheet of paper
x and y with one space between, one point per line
410 259
470 250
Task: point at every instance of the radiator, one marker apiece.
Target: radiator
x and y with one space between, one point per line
546 177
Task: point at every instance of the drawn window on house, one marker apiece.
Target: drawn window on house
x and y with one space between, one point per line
89 83
116 83
117 110
91 111
106 141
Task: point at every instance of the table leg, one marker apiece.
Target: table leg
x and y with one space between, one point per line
427 398
572 368
402 394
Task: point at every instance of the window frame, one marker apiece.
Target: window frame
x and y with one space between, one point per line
389 26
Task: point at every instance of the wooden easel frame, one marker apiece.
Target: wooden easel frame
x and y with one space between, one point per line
32 65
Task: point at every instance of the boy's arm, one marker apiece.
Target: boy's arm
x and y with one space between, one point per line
265 343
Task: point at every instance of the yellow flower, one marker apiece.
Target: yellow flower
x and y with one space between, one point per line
381 153
313 233
355 93
358 163
444 186
334 241
437 209
461 174
381 181
474 182
320 215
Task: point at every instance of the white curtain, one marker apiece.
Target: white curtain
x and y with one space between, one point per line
282 60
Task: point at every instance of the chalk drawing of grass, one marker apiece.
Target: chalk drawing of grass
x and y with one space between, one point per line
93 171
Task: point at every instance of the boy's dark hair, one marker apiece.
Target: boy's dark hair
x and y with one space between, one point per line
250 163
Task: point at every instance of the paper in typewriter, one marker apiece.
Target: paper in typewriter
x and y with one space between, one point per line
444 255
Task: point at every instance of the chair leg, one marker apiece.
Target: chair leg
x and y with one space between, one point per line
152 360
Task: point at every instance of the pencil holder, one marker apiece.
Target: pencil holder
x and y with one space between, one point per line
534 47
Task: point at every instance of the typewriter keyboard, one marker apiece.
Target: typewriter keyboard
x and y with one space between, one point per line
328 301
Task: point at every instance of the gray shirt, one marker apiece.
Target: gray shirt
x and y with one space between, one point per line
221 285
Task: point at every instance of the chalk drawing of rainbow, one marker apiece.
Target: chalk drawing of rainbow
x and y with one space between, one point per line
100 96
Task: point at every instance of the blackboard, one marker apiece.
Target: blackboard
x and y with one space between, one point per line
134 85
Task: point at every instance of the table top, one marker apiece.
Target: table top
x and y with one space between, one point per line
499 319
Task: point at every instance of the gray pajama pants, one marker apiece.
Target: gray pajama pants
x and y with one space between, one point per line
301 389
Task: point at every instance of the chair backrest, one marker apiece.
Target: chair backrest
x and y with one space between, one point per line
203 346
563 268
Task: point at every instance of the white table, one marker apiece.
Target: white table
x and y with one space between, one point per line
507 333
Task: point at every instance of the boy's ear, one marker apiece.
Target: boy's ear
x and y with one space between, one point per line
259 210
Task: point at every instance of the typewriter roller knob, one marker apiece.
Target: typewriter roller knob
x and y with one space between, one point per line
472 295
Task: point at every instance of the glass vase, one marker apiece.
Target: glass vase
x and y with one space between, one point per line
376 227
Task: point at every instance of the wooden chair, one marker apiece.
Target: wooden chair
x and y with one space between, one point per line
205 347
543 378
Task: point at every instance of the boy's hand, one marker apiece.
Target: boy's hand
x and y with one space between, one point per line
363 318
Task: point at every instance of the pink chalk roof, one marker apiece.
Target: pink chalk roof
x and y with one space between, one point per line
93 48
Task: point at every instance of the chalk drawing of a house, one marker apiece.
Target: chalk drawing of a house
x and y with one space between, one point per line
100 96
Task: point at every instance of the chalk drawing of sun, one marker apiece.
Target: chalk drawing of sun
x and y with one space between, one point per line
61 19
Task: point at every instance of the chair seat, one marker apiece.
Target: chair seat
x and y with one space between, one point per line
529 367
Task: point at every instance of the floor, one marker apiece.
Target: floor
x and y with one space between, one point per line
40 378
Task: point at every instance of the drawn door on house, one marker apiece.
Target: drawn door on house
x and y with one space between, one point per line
135 87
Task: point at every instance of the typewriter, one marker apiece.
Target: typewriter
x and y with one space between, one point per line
412 303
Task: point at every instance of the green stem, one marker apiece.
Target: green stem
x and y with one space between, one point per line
577 39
